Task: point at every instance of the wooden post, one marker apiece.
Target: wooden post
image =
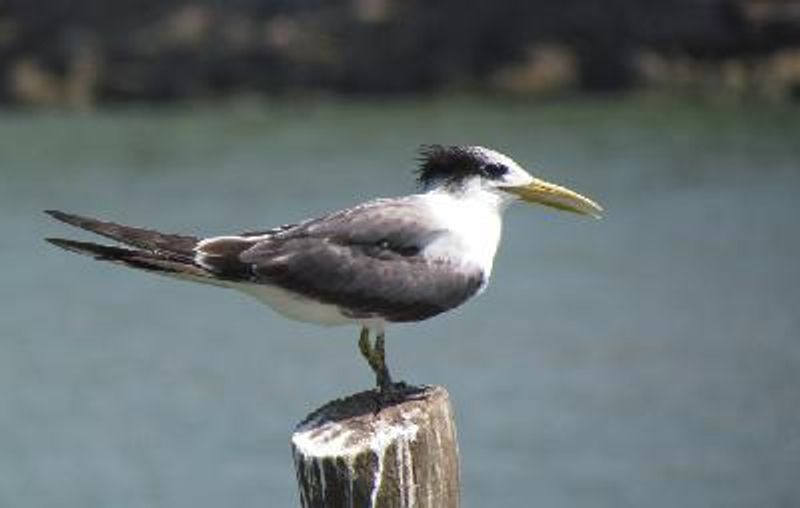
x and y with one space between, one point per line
354 452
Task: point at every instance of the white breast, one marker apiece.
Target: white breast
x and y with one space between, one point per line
473 228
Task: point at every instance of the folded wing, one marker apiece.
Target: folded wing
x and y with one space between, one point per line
368 260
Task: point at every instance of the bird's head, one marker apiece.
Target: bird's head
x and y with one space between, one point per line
465 169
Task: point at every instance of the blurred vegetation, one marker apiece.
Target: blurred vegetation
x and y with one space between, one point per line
80 52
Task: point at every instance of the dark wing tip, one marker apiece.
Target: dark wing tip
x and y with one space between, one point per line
60 242
95 250
70 245
146 239
64 217
54 213
75 247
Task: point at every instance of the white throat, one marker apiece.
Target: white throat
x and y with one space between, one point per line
472 217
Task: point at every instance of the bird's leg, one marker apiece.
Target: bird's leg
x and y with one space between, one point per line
364 346
369 353
382 372
376 358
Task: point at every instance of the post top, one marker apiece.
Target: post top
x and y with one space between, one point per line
348 425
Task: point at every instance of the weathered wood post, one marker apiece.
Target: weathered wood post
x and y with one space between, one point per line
355 452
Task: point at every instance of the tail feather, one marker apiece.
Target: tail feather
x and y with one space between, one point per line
168 264
146 239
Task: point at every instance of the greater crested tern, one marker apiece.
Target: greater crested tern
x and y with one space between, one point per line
385 261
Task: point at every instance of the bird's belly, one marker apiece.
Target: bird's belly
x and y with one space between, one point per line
297 307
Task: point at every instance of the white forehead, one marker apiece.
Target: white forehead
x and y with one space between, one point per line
497 157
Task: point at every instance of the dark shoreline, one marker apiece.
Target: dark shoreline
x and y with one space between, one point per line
86 52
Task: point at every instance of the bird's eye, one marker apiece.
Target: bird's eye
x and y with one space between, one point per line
495 171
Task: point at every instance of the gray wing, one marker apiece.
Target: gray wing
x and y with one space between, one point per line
146 239
368 260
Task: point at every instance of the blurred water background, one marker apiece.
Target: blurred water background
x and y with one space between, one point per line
648 359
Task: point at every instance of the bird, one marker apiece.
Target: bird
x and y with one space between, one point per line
384 261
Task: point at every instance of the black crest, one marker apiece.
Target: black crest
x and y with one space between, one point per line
453 164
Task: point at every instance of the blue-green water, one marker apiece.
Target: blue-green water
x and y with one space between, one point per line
648 359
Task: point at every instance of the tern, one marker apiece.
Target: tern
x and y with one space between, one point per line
389 260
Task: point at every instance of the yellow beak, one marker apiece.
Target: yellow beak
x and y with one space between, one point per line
555 196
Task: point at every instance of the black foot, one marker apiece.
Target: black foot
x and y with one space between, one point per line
387 391
396 393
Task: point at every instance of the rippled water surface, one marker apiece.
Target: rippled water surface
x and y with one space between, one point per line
648 359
